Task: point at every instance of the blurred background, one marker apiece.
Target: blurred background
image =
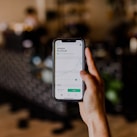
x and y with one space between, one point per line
27 29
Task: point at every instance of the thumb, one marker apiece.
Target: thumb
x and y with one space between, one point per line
87 78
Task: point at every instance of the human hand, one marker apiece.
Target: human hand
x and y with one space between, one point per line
92 109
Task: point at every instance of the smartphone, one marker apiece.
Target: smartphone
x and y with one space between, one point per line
68 61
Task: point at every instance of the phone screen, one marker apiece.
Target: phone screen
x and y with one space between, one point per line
68 62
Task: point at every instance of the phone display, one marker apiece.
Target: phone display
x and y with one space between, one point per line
68 57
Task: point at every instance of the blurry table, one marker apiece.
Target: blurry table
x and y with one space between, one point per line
16 77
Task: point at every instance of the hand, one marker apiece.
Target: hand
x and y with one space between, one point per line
92 109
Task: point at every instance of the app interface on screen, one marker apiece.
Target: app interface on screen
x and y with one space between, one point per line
68 64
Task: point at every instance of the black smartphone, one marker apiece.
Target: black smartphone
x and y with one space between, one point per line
68 61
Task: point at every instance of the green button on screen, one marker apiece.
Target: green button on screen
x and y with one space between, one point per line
73 90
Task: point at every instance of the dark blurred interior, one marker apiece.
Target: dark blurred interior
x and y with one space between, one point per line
109 28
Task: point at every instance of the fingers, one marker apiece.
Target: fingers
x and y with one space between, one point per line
91 65
88 79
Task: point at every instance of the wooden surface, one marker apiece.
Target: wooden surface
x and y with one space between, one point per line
43 128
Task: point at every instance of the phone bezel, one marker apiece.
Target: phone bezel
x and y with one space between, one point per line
83 66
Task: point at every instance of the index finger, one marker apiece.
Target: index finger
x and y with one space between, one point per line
91 64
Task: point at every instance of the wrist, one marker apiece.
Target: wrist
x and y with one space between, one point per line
96 116
98 125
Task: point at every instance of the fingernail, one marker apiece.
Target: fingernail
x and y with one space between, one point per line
82 72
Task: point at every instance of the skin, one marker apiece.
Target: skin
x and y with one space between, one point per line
92 109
